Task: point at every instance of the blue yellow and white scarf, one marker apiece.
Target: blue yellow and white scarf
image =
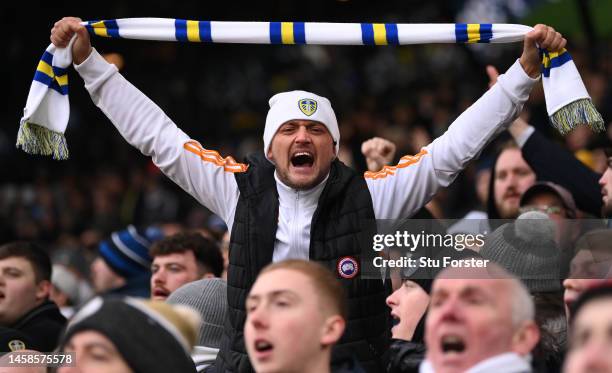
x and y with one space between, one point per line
47 108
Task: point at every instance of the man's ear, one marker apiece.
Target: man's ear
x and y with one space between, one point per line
43 289
526 338
269 153
332 330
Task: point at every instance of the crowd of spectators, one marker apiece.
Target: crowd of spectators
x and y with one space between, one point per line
218 95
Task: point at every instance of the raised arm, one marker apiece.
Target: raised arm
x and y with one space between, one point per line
400 190
544 157
378 153
202 173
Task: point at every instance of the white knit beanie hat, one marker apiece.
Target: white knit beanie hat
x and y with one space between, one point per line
302 105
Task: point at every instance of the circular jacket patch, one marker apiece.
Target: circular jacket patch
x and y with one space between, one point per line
348 267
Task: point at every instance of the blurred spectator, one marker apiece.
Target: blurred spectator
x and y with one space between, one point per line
209 298
130 336
65 289
591 265
182 258
481 321
557 202
606 187
527 249
408 306
511 177
551 199
25 284
123 264
590 337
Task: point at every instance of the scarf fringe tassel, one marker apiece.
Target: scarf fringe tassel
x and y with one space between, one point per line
36 139
578 112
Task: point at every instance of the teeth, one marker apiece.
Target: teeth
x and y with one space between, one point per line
452 343
302 153
260 345
451 339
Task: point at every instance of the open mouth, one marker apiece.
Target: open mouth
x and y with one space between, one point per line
452 343
263 346
395 320
159 292
302 159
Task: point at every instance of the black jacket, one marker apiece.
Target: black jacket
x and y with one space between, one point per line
43 325
551 162
344 205
405 356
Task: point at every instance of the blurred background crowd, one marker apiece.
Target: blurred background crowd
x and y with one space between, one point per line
218 95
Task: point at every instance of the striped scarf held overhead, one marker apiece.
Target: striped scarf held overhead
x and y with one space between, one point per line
47 108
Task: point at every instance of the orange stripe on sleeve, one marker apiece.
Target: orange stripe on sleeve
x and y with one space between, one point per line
229 164
405 161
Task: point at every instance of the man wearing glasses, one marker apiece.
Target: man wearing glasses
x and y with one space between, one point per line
558 203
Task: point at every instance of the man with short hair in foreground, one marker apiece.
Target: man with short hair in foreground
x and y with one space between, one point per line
296 312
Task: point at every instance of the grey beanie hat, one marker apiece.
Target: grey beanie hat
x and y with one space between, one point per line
527 249
209 298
